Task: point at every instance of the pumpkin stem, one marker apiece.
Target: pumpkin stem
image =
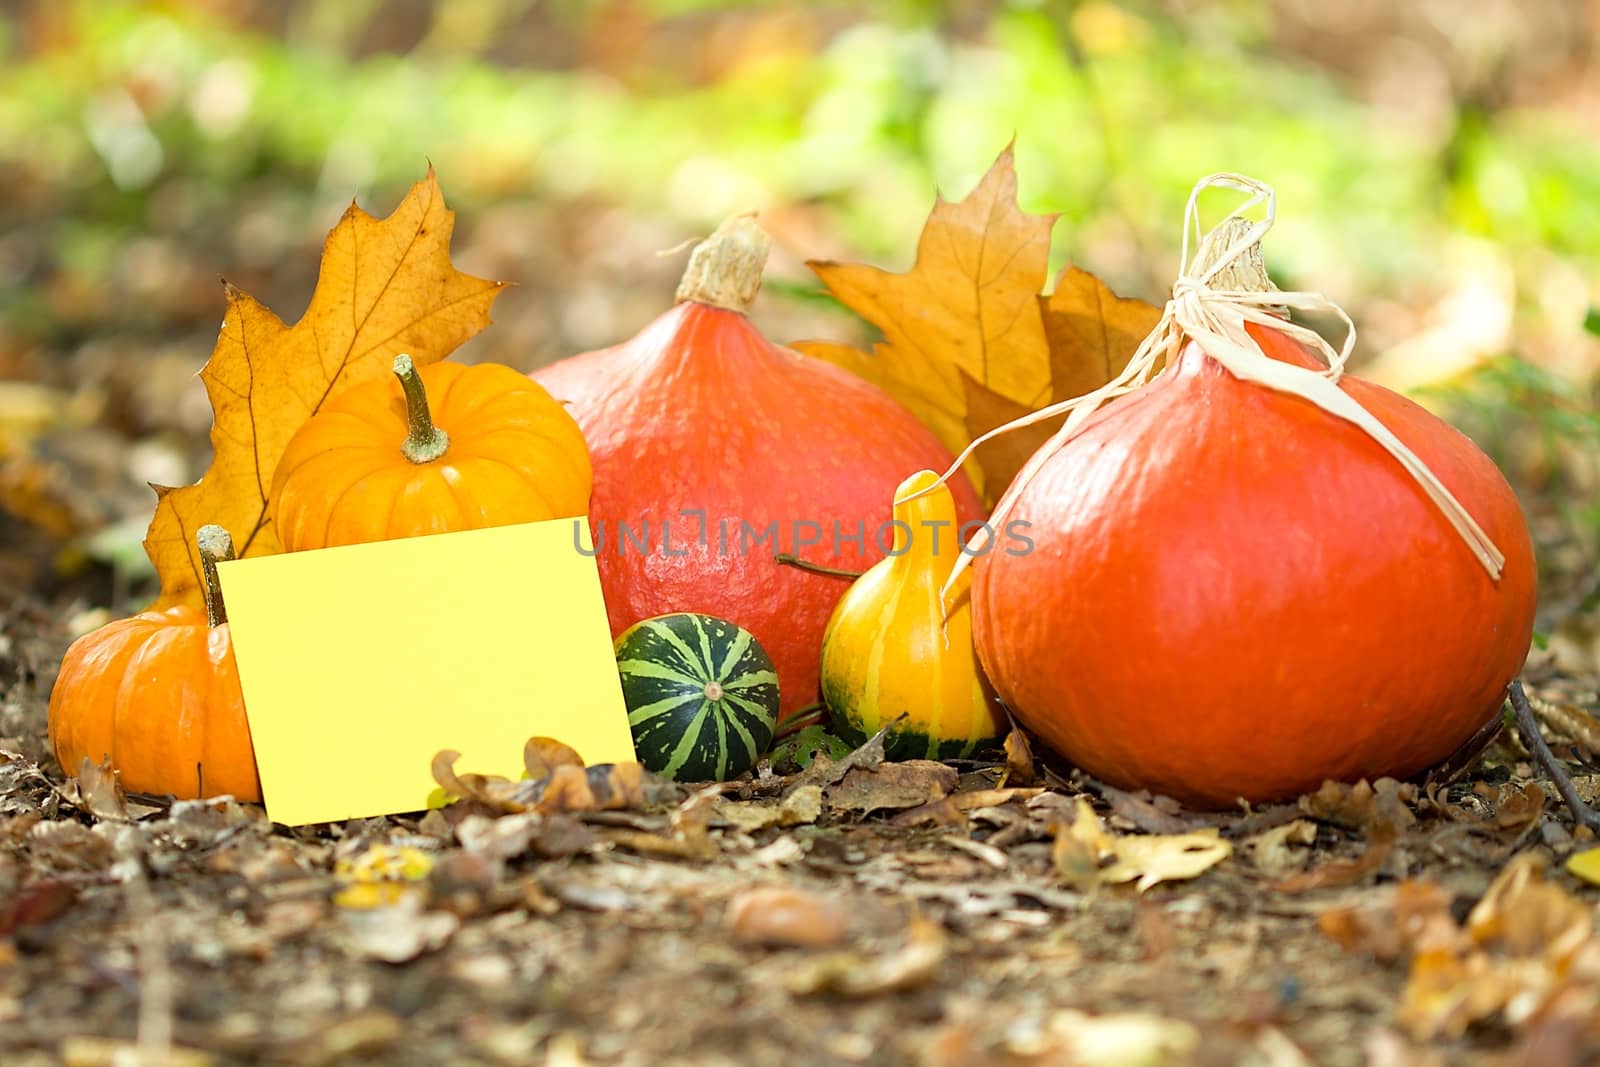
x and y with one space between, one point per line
215 546
1242 271
789 559
425 442
810 715
725 269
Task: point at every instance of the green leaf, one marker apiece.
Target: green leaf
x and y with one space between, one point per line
796 751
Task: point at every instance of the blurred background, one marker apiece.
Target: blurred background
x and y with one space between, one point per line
1436 163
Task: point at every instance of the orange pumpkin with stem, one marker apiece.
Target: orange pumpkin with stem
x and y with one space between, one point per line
158 695
720 446
445 447
1254 573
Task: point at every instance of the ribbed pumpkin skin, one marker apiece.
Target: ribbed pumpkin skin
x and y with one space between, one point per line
515 456
681 728
1237 594
699 411
159 695
890 647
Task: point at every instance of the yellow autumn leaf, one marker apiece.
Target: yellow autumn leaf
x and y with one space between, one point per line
1085 853
1154 858
969 341
384 863
969 303
1585 865
1092 331
380 877
386 286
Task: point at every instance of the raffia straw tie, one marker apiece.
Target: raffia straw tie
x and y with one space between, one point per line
1215 319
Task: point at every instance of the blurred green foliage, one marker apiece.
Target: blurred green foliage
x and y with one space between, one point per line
1509 403
1116 110
1414 159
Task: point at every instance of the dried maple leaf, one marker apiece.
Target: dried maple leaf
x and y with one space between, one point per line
100 790
824 771
1092 333
566 787
799 807
1270 850
969 342
542 755
1019 759
386 286
1152 858
1525 950
891 786
1337 874
1085 854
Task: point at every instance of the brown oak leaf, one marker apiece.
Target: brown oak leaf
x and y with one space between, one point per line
386 286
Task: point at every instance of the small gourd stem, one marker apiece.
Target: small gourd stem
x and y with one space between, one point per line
215 547
1243 271
810 715
425 442
1528 727
725 269
790 560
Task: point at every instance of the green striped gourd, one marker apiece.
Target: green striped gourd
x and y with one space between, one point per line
890 648
701 693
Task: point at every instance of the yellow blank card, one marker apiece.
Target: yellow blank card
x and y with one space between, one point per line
360 663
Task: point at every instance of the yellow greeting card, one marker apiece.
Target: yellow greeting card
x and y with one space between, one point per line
360 663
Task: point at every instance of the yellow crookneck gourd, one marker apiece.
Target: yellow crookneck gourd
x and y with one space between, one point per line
890 647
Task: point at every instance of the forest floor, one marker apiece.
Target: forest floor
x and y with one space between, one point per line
848 913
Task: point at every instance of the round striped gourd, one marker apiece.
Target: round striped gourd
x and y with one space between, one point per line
892 648
702 696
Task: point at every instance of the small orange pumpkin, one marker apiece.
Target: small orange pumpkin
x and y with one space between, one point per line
158 695
376 463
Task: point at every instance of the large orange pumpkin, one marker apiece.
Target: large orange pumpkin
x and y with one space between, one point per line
1235 594
158 695
448 447
715 448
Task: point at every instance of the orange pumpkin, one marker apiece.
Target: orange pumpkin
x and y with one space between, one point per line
1235 593
719 449
158 695
379 463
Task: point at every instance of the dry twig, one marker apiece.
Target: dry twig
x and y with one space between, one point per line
1528 727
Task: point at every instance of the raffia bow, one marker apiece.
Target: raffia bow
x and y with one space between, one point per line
1206 309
